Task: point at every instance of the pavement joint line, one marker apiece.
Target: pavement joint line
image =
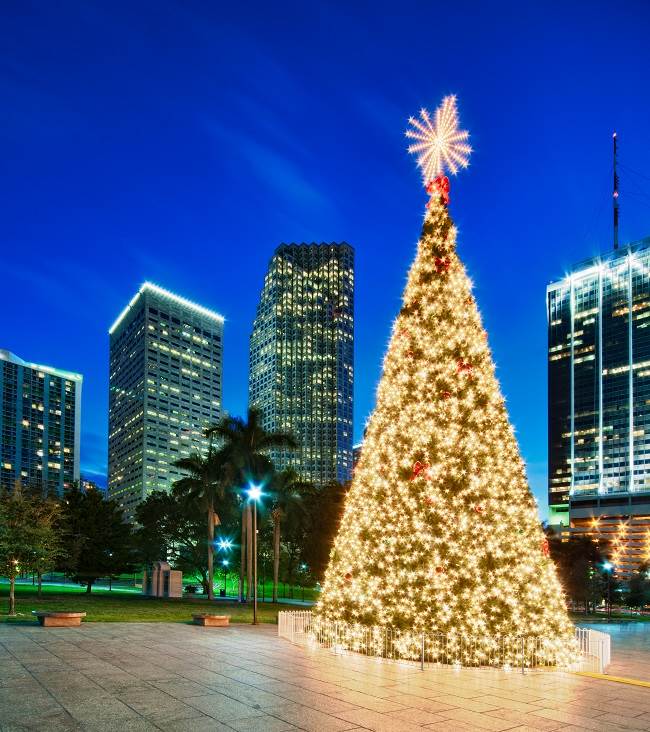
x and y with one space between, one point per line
617 679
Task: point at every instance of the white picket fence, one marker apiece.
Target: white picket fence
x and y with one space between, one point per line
302 627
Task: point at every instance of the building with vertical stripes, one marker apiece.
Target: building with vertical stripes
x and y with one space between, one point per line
40 425
599 401
301 370
165 369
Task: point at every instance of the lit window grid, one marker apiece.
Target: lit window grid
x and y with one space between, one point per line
40 424
301 357
165 380
599 364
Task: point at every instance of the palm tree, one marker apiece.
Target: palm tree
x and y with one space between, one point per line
206 483
287 491
246 443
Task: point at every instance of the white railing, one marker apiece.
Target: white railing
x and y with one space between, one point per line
590 652
595 649
294 625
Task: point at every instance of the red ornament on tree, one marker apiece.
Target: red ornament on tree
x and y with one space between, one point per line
463 366
348 577
442 264
440 184
419 469
440 570
445 394
429 500
546 549
478 509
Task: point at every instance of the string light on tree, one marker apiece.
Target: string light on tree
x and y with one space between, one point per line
440 532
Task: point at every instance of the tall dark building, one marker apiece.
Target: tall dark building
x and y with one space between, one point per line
599 399
40 425
301 371
166 356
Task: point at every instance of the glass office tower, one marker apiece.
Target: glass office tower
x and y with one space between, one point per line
301 357
599 396
40 425
166 357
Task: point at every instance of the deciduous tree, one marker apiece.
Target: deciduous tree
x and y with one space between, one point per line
97 542
28 537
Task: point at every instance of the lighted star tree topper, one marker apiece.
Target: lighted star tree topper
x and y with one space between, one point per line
439 145
440 532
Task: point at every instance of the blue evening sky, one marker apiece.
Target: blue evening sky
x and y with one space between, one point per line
180 142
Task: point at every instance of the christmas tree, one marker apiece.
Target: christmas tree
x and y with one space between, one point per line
440 532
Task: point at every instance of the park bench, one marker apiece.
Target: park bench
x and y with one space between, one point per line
211 620
58 620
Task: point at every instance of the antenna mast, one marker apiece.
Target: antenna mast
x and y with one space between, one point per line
615 195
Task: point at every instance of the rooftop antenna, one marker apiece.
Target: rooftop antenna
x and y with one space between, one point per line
615 195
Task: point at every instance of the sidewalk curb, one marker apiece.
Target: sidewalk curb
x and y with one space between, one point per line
617 679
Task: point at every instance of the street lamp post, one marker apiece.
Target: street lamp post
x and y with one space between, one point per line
225 563
254 494
303 568
608 568
224 545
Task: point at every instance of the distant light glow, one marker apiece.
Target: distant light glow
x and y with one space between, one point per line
224 544
607 566
440 145
12 358
150 287
254 493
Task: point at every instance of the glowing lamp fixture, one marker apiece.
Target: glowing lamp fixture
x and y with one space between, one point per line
607 566
224 544
254 493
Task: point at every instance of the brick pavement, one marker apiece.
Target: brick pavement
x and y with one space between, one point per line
127 677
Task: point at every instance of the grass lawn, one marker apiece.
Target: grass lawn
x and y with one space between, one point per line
126 582
111 607
616 617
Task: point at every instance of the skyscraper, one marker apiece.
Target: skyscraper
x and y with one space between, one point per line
301 357
166 356
40 425
599 400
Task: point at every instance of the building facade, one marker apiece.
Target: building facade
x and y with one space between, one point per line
166 358
88 486
356 454
301 370
599 400
40 425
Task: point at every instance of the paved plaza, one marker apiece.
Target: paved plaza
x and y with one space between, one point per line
631 648
151 676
